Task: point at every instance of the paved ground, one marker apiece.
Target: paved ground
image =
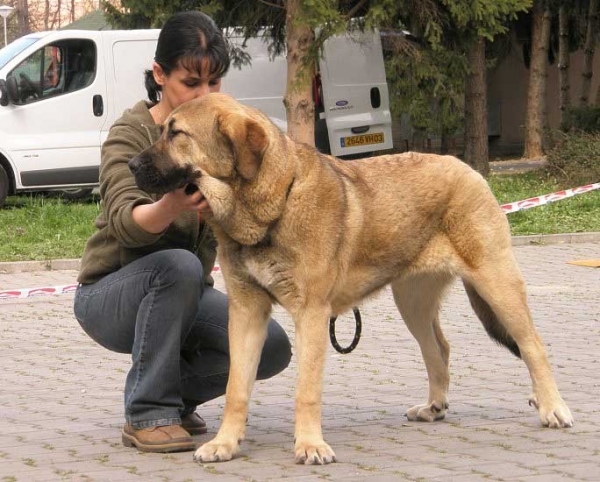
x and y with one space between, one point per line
60 396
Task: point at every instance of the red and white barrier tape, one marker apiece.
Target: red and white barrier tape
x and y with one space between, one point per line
34 292
507 208
46 290
533 202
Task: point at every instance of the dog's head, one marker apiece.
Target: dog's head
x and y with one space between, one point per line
232 153
214 136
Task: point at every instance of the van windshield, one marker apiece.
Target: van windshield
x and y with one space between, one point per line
15 48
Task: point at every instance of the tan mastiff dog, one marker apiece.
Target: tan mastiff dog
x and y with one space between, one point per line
318 235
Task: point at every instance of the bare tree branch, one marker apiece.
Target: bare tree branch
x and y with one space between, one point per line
269 4
355 9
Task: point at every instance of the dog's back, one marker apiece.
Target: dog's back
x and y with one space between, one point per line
405 214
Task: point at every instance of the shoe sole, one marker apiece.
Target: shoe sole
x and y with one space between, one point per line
130 441
195 431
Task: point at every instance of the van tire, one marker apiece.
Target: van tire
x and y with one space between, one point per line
4 185
76 193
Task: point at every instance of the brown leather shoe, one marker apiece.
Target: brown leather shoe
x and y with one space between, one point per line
167 438
194 424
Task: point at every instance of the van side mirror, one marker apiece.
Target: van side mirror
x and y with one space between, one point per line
3 94
12 86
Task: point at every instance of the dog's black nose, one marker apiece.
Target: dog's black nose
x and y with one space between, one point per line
134 164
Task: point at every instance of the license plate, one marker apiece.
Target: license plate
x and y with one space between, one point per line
362 140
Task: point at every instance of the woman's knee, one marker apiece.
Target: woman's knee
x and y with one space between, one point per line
277 352
178 266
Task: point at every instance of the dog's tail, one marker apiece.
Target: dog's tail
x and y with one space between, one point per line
490 321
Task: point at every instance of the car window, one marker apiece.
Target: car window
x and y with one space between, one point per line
14 48
56 69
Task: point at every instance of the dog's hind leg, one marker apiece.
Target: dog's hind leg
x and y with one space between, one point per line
497 293
418 299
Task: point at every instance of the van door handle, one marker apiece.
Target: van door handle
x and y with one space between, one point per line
98 105
359 130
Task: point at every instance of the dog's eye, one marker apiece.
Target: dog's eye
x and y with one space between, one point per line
174 132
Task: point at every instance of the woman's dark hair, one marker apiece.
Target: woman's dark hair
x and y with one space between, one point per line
186 39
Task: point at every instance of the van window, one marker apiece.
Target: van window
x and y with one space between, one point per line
57 68
15 48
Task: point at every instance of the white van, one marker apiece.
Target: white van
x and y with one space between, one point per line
60 91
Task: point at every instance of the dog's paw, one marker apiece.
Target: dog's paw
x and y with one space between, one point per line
313 453
215 451
428 412
555 414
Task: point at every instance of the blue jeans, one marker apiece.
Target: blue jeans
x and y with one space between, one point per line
158 309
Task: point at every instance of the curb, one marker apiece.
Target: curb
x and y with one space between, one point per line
12 267
501 168
546 239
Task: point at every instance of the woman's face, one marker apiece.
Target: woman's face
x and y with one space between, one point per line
182 85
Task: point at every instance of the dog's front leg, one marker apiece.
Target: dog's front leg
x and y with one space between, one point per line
311 345
248 319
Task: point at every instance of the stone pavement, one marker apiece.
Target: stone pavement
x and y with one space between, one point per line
61 395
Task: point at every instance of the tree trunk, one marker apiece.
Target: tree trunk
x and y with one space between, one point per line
444 143
588 53
563 61
23 17
418 139
536 92
46 14
298 101
476 131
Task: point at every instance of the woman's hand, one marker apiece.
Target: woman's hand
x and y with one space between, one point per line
178 201
181 201
156 217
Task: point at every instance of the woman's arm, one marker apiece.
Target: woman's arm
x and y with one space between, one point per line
156 217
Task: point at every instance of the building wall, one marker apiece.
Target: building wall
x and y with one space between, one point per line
507 98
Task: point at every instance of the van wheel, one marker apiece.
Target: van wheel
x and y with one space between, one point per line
3 185
76 193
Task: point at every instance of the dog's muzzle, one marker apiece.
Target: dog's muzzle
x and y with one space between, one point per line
152 179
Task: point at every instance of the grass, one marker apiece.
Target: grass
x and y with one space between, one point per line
44 227
578 214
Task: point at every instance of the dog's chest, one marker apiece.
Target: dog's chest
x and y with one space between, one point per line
271 272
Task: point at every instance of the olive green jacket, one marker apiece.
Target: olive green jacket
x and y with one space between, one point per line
119 240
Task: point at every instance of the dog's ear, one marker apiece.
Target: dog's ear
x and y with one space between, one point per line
248 140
